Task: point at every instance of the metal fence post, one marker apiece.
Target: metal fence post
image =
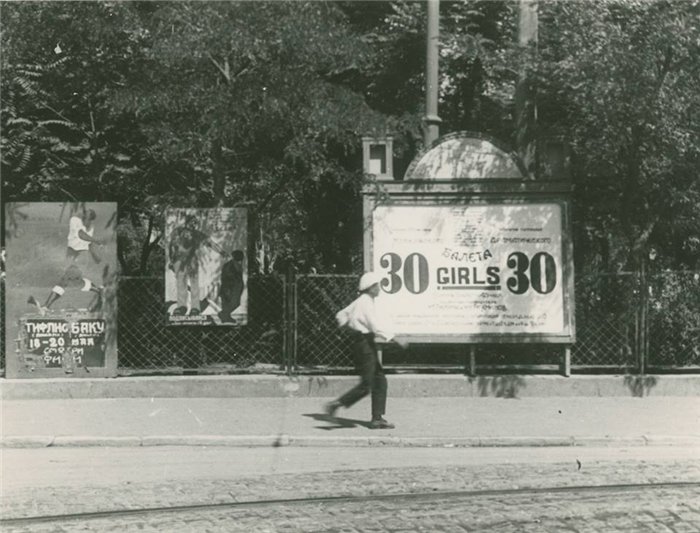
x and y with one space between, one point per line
294 329
643 312
289 320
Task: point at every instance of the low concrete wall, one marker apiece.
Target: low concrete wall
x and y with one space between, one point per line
507 386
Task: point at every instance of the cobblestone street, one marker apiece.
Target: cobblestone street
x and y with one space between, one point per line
581 511
503 497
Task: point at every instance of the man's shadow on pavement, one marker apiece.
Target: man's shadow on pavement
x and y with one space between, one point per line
338 422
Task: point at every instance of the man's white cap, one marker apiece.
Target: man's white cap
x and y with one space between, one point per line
368 279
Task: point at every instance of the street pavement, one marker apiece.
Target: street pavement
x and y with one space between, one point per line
280 464
575 512
192 489
301 421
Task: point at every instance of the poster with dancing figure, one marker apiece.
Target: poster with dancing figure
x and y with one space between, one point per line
61 289
206 275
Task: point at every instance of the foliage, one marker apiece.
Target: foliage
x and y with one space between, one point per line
674 335
240 103
619 81
158 104
59 138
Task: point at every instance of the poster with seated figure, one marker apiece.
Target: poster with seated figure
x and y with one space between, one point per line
206 275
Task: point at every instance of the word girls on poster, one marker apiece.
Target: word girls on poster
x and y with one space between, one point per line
206 275
484 269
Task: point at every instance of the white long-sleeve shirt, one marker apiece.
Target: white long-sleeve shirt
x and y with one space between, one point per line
361 315
75 226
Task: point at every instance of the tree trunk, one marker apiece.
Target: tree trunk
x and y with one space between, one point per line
147 247
219 188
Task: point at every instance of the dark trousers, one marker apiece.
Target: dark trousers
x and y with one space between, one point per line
372 378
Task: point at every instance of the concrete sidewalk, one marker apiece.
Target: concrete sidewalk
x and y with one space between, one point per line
300 421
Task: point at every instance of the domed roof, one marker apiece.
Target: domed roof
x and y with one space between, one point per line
464 155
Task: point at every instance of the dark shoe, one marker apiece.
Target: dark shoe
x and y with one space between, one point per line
380 423
180 311
194 311
332 408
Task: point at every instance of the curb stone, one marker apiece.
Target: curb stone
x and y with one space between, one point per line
284 440
683 440
211 440
610 441
91 441
27 442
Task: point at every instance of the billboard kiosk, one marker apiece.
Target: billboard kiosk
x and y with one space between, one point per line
471 251
61 309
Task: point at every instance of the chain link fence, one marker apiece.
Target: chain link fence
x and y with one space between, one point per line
321 345
672 338
606 320
319 342
147 343
624 321
617 327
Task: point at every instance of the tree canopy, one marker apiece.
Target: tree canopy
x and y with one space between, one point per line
263 104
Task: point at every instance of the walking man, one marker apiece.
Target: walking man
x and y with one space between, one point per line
361 317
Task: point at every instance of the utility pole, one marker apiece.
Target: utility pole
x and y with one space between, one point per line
431 120
525 102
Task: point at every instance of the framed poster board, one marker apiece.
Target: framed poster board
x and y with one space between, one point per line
61 297
495 268
206 272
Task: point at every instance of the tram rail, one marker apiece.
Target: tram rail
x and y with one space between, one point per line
434 495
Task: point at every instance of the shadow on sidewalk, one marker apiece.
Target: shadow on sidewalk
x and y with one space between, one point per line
338 422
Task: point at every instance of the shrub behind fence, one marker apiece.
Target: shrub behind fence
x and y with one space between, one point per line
673 320
319 341
606 324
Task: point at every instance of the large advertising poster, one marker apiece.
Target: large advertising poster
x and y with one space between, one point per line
206 276
490 269
61 289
